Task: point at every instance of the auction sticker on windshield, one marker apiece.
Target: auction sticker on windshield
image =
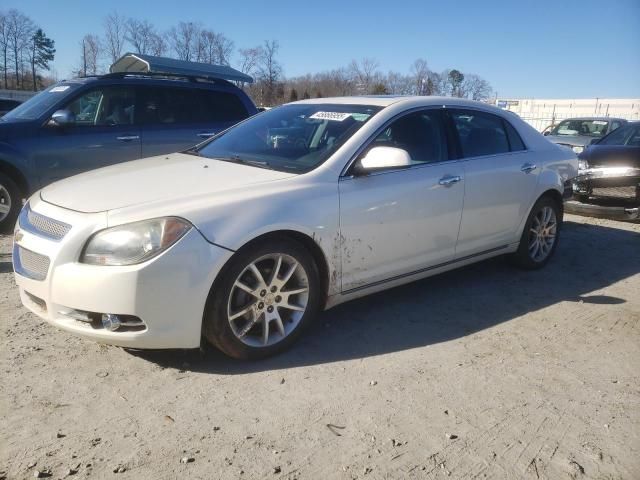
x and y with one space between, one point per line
335 116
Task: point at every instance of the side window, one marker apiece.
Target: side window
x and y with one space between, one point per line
480 133
515 141
614 126
104 107
222 106
634 139
421 134
171 106
618 137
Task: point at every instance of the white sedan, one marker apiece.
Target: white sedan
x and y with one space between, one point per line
245 238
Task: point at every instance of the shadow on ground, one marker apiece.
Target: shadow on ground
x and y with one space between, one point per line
447 306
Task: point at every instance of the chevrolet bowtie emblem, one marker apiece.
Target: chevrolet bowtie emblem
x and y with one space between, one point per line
18 236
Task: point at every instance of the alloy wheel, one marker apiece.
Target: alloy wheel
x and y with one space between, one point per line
268 300
542 234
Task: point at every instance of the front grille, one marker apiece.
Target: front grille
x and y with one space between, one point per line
43 226
615 192
30 264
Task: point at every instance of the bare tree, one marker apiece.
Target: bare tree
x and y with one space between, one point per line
269 71
420 73
115 29
141 35
364 74
399 84
185 40
91 52
4 45
157 45
476 87
214 48
21 29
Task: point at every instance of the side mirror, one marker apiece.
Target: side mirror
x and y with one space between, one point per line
547 132
594 141
382 158
62 118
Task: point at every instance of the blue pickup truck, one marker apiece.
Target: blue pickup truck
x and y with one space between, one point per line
87 123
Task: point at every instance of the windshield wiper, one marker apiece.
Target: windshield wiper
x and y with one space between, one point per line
244 161
192 151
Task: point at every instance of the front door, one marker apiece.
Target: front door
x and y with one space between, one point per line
104 132
394 223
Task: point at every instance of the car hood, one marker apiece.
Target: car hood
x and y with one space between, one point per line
573 140
611 156
165 178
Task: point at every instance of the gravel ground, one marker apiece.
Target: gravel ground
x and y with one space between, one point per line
485 372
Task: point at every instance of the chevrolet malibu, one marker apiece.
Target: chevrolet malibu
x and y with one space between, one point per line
245 238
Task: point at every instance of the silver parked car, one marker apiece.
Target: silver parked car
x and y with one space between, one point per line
243 239
577 133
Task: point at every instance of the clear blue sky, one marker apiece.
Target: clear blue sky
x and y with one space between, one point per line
537 48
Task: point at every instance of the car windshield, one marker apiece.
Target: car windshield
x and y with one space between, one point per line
293 138
40 103
576 126
627 135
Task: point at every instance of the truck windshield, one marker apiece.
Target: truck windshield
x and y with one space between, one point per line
293 138
37 105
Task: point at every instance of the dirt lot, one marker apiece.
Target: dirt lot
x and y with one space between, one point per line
486 372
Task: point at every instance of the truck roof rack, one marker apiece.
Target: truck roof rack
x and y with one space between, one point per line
149 65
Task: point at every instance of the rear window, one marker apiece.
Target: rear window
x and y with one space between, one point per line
480 133
222 106
175 105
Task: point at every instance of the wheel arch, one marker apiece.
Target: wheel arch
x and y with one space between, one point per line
16 175
306 241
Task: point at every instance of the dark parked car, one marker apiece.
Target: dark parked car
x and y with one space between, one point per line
577 133
608 181
6 105
86 123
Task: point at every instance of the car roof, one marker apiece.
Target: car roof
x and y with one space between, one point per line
387 100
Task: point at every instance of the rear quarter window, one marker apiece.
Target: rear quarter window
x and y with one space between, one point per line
222 106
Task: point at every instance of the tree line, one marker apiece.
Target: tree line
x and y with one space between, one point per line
25 51
193 41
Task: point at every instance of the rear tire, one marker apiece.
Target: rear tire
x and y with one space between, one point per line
250 317
540 236
10 203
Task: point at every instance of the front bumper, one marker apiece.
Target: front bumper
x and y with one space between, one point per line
613 212
168 293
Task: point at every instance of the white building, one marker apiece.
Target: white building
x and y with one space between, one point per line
541 113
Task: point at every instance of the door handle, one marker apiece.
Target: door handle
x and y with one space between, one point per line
528 167
206 134
128 138
449 180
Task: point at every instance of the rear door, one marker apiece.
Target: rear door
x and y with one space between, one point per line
104 132
177 118
500 181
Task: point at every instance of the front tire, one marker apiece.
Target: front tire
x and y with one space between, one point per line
263 300
540 236
10 203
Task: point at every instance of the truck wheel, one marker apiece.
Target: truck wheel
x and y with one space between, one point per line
10 203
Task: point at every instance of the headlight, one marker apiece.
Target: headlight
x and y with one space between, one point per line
133 242
578 149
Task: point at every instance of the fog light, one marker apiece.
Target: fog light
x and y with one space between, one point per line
110 322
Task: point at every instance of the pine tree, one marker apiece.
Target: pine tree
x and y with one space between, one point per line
306 95
293 96
42 52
